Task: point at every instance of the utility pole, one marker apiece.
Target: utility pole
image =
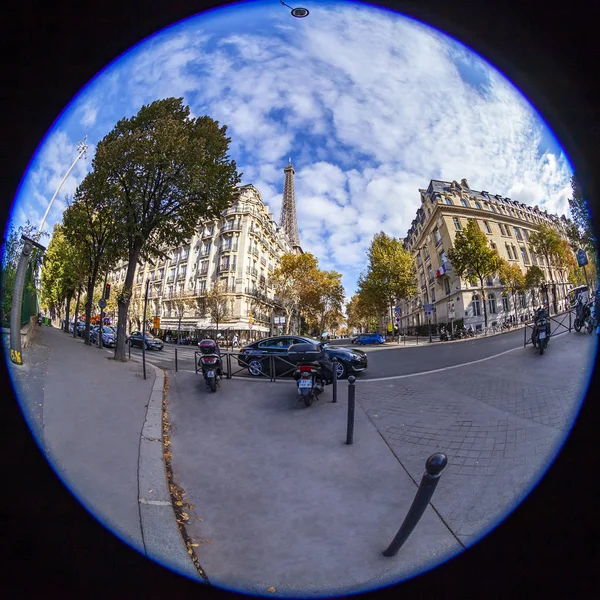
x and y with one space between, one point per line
28 244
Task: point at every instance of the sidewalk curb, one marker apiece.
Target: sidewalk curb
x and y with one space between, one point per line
162 540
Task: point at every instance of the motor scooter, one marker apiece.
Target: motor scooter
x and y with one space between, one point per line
312 373
541 331
210 363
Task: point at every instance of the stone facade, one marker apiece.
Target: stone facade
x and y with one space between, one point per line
445 208
241 250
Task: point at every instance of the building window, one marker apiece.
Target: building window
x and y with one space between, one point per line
505 303
447 285
494 247
457 225
464 202
515 255
487 227
476 303
524 255
430 273
442 256
477 205
432 295
522 300
508 233
489 280
517 233
448 201
526 234
492 304
501 229
492 208
437 236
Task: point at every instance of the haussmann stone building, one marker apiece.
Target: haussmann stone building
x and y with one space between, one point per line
445 209
241 249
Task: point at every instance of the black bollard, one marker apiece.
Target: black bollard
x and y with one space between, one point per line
129 350
351 404
433 469
334 360
175 360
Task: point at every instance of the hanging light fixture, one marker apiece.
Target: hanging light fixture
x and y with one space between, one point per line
299 13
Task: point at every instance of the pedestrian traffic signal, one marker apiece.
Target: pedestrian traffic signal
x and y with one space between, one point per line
107 291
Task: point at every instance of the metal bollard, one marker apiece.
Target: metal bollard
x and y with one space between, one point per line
433 469
351 404
175 360
228 365
569 321
525 336
129 350
334 360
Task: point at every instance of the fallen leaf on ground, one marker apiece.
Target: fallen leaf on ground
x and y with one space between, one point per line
179 503
190 551
199 519
271 589
185 516
195 545
150 491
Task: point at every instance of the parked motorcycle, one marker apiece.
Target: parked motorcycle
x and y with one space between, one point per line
541 331
582 314
210 363
313 370
443 334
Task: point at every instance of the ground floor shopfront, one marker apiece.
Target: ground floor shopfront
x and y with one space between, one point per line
466 306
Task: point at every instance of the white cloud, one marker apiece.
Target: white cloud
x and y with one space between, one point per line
369 105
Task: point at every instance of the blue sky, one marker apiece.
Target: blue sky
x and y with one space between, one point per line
370 106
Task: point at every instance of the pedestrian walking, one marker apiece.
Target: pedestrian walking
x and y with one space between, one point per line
234 342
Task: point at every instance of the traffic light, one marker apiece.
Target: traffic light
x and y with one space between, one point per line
107 291
250 319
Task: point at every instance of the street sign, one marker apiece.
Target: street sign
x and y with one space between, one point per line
428 308
397 310
397 319
390 327
156 322
582 258
429 314
249 325
102 303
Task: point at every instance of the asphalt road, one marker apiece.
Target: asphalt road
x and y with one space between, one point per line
384 361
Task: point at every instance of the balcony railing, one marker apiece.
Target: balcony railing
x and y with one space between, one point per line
170 278
263 261
204 253
230 248
180 276
255 252
231 227
202 272
208 233
227 268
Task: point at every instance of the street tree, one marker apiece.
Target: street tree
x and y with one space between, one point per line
389 277
534 278
292 281
473 258
217 302
167 171
582 220
63 272
513 280
546 242
324 297
90 223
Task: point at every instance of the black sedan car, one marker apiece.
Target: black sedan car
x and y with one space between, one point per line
152 343
253 356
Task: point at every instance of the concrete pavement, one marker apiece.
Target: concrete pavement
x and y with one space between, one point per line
280 500
99 424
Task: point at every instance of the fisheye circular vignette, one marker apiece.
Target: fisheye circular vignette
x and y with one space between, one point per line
271 295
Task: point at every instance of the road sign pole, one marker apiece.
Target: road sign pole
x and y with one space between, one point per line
429 330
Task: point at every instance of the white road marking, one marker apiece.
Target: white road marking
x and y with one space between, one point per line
155 502
472 362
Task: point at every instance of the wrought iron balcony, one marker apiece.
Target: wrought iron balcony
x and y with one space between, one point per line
204 253
263 261
230 248
255 252
208 233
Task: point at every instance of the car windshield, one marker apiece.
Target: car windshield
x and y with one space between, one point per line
107 330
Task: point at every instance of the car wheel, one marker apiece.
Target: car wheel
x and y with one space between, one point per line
341 369
255 367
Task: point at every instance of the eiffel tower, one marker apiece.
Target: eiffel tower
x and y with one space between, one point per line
288 209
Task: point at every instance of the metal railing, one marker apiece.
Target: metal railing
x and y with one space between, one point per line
557 324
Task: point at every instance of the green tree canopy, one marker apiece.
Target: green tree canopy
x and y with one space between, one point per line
164 172
473 258
584 230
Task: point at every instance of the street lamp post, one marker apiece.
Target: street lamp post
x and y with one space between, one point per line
17 299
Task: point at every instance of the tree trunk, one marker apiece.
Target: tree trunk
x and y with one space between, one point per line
76 312
485 319
123 304
516 313
67 312
88 308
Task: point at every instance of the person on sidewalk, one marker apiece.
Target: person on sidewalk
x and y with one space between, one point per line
234 342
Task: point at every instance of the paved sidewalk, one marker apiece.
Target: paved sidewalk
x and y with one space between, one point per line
280 500
284 502
88 413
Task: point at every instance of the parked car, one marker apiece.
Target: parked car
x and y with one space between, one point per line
369 338
108 336
152 343
350 360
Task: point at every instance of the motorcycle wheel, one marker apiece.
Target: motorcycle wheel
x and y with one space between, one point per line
308 400
577 326
542 346
213 384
